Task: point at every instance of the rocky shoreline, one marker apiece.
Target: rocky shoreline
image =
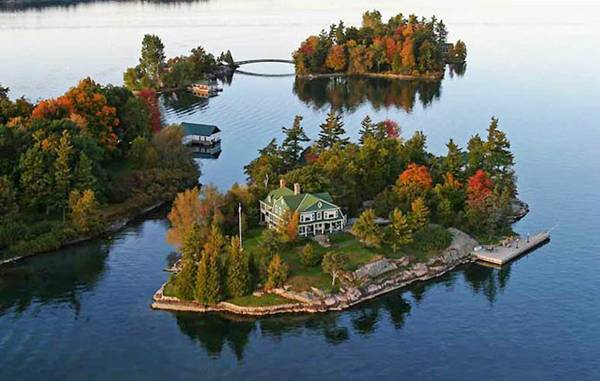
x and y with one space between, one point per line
370 281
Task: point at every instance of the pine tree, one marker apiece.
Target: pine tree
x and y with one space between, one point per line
399 231
454 161
291 148
238 270
475 155
332 131
62 173
367 129
498 158
367 230
191 250
277 273
419 214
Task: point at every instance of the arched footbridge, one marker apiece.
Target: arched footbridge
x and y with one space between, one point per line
263 60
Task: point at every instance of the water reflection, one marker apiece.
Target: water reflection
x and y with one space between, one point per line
348 94
216 331
50 279
21 5
458 69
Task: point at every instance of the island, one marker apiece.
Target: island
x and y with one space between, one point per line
157 73
405 48
83 164
327 223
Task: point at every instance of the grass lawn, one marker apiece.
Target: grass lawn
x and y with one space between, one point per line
260 301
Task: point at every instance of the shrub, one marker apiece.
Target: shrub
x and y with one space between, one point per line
309 256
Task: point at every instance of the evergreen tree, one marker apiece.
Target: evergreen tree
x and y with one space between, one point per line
367 129
498 158
209 282
332 131
270 242
454 161
291 148
415 148
419 214
191 250
399 231
475 155
238 270
62 172
277 273
84 176
367 230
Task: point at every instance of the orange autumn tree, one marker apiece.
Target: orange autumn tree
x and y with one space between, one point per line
417 175
290 227
479 187
91 105
186 212
336 59
58 108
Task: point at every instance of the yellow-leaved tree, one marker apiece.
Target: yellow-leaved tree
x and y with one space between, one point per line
186 211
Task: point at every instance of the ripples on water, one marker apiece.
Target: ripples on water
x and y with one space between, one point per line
83 313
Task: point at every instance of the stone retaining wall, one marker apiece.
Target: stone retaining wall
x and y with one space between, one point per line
458 253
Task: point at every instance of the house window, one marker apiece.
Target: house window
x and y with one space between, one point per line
307 217
319 216
330 214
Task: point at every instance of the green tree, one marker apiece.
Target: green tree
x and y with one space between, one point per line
238 270
309 256
291 148
332 131
367 129
83 207
191 251
399 232
277 273
209 279
35 179
476 152
419 216
8 199
271 243
84 176
267 167
142 154
62 172
453 162
152 60
366 230
333 263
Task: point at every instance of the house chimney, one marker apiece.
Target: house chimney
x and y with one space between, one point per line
281 183
296 188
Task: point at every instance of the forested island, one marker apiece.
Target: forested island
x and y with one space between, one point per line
401 48
397 209
82 164
155 72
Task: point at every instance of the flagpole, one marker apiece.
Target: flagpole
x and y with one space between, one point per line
240 224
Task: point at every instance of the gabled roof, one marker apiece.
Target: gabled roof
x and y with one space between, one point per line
199 129
303 202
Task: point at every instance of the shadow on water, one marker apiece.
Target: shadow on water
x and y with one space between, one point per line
53 278
348 94
216 331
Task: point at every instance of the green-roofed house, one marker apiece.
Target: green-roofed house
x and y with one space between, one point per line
206 135
318 213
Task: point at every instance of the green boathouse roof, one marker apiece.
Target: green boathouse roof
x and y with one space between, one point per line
199 129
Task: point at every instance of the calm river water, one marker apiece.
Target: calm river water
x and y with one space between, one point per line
83 312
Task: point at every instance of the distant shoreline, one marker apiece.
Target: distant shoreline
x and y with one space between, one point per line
430 77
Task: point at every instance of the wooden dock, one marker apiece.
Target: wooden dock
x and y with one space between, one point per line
499 254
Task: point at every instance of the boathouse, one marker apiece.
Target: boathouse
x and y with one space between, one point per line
318 213
205 135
